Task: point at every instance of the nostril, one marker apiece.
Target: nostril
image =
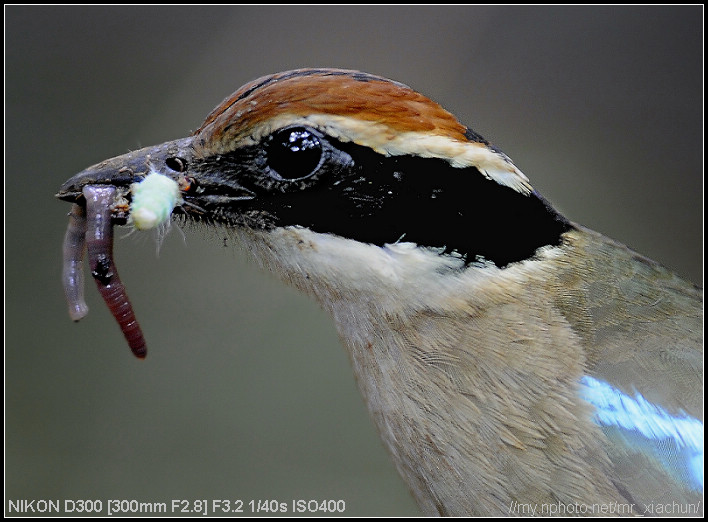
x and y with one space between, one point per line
177 164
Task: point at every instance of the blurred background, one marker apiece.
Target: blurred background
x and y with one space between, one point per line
246 392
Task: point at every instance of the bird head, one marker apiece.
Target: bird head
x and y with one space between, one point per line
347 154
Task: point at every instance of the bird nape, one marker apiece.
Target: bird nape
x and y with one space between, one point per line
510 358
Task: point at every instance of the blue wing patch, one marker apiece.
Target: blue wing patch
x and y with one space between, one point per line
674 440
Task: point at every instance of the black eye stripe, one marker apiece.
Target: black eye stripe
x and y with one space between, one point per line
357 193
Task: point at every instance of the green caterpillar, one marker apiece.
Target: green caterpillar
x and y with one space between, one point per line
154 199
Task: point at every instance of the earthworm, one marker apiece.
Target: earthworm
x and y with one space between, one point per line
73 273
99 244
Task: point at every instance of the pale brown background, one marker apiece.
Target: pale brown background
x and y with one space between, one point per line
246 393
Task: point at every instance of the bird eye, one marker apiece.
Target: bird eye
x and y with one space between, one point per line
294 153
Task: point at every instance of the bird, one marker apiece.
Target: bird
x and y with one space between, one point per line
514 362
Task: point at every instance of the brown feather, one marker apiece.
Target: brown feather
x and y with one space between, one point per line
327 91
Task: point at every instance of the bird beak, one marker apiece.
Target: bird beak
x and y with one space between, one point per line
205 191
129 168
